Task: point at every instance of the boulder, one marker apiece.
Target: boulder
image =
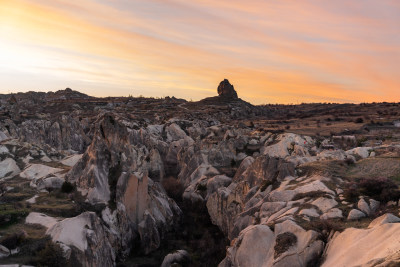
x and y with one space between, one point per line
37 171
355 214
314 186
179 257
4 252
332 214
324 204
41 219
360 152
71 160
364 207
49 183
289 245
309 212
365 247
3 136
253 247
305 251
8 168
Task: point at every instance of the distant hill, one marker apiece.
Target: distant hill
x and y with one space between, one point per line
67 94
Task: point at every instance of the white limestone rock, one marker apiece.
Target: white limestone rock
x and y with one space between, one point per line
355 214
314 186
71 160
324 204
4 252
3 136
8 168
87 237
41 219
364 247
364 207
178 257
309 212
37 171
332 214
362 152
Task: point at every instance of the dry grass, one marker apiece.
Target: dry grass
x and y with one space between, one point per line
375 167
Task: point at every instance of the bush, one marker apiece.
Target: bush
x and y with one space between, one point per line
11 241
67 187
283 242
381 189
50 255
359 120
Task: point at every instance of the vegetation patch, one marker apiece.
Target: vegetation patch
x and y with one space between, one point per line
283 242
67 187
381 189
311 194
10 214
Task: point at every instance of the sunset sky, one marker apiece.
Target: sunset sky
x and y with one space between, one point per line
286 51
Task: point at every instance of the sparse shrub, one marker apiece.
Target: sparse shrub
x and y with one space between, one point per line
381 189
318 143
283 242
351 192
349 161
11 241
361 140
67 187
311 194
50 255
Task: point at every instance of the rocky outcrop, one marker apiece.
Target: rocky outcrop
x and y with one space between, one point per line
226 90
66 133
114 172
287 245
233 208
85 240
376 246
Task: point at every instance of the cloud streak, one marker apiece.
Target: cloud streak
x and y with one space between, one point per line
273 51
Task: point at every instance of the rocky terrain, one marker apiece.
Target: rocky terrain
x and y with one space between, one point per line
88 181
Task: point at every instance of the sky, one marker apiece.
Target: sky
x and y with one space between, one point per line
286 51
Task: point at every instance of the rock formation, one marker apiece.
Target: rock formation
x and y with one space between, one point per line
226 90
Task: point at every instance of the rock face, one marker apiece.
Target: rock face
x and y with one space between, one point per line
226 90
114 172
85 239
376 246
